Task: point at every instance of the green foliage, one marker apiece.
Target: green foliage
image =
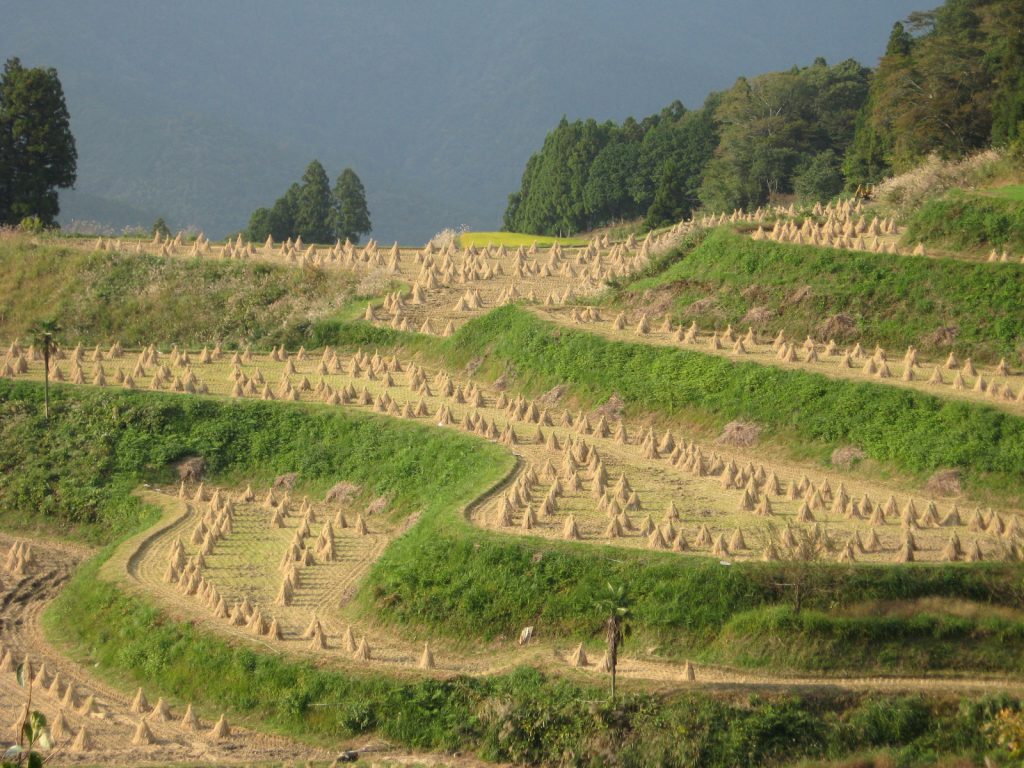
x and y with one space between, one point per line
141 299
964 221
32 225
877 299
820 178
774 125
742 147
313 209
160 228
37 150
350 216
950 82
588 174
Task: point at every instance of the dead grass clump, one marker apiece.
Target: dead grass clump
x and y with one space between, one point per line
374 283
933 177
341 493
657 302
378 505
754 292
846 457
740 433
285 482
701 306
552 396
757 315
191 469
840 326
611 409
800 294
942 337
945 482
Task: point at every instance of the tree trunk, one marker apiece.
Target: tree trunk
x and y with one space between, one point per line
613 648
46 383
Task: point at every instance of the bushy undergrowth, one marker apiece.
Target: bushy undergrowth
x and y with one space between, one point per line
140 299
939 305
523 717
914 431
970 222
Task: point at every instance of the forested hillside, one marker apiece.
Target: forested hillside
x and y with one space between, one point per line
951 81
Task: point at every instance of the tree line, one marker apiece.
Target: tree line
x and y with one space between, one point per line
951 81
312 210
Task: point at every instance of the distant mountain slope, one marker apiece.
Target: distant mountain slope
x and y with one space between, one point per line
201 111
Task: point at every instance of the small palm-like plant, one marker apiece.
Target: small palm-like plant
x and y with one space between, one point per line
616 604
43 336
32 732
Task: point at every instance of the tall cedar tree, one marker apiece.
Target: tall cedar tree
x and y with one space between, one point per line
351 216
313 208
37 150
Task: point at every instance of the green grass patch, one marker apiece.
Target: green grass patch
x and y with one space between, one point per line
1010 192
142 298
522 717
78 474
874 298
815 639
515 239
968 221
446 577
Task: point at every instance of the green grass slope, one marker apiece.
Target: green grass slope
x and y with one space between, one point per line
972 222
915 432
523 717
445 577
139 299
938 305
78 474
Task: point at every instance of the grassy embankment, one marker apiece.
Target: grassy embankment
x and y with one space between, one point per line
972 222
139 299
524 716
912 431
939 305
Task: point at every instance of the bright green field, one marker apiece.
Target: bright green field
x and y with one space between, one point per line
514 239
1011 192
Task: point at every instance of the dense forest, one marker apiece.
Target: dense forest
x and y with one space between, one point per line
951 81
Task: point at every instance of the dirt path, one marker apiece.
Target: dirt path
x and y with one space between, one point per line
67 686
